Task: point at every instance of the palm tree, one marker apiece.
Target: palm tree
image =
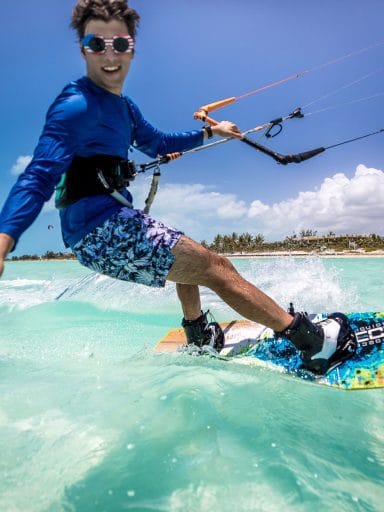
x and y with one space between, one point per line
258 240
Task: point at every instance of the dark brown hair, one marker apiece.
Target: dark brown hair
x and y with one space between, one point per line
105 10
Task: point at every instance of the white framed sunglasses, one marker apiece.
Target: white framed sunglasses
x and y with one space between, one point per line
94 43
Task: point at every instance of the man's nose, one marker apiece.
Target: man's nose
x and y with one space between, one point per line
109 50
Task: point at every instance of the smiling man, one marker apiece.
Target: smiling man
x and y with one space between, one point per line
82 153
108 58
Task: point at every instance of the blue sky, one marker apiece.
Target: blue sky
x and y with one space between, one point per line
189 53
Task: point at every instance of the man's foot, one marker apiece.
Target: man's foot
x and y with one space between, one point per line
200 332
323 345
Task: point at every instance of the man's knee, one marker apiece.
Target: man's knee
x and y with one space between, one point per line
219 269
195 264
216 268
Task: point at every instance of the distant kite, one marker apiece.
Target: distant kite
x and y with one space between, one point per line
50 226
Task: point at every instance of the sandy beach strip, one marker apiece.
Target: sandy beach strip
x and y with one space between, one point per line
304 254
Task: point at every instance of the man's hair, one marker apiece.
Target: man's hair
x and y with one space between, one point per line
105 10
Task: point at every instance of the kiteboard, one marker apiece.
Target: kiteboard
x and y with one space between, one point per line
252 344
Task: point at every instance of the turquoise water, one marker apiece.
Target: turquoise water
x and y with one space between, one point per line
91 420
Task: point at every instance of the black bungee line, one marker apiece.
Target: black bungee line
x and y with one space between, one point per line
297 158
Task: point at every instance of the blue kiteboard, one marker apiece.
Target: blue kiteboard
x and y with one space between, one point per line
253 344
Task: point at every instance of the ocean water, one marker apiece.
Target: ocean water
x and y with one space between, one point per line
92 420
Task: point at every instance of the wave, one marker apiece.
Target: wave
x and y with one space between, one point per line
312 284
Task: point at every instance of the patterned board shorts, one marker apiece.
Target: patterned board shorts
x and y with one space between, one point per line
130 246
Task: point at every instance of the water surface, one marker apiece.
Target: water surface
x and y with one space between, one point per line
92 420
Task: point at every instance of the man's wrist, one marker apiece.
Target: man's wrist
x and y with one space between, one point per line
208 132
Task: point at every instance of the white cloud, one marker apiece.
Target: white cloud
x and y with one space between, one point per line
194 208
340 204
257 208
20 165
233 209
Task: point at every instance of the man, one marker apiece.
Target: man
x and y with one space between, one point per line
82 153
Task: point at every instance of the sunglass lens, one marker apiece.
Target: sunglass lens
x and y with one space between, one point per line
96 44
120 44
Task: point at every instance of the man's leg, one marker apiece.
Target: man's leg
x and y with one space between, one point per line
195 265
198 329
322 345
189 297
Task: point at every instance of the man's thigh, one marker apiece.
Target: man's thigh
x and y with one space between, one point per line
193 263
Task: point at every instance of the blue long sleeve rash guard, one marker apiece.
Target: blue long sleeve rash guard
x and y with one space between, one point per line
84 120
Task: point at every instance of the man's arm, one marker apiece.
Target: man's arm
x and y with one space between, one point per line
36 184
6 245
154 142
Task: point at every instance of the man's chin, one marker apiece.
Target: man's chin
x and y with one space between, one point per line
112 83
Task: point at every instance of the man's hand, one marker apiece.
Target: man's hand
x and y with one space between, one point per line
226 129
6 245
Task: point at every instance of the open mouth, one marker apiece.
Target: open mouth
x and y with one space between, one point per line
111 69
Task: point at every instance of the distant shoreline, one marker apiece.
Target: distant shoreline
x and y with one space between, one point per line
301 254
266 254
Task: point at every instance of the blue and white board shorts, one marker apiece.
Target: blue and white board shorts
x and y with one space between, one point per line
130 246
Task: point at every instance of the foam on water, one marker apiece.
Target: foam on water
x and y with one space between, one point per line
111 294
305 282
91 420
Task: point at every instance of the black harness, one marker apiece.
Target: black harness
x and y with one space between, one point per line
99 174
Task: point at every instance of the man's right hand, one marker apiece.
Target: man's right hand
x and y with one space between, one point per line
6 245
226 129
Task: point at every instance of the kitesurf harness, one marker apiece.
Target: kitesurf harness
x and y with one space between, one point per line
95 175
105 174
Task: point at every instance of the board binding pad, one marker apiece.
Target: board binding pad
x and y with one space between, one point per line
253 344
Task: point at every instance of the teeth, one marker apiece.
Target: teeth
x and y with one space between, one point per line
111 68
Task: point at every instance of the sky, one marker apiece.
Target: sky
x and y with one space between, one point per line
190 53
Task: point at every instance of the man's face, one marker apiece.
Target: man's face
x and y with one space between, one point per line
107 70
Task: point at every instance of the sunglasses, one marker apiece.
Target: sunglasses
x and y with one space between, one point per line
93 43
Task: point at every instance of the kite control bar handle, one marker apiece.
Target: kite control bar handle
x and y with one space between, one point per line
202 114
